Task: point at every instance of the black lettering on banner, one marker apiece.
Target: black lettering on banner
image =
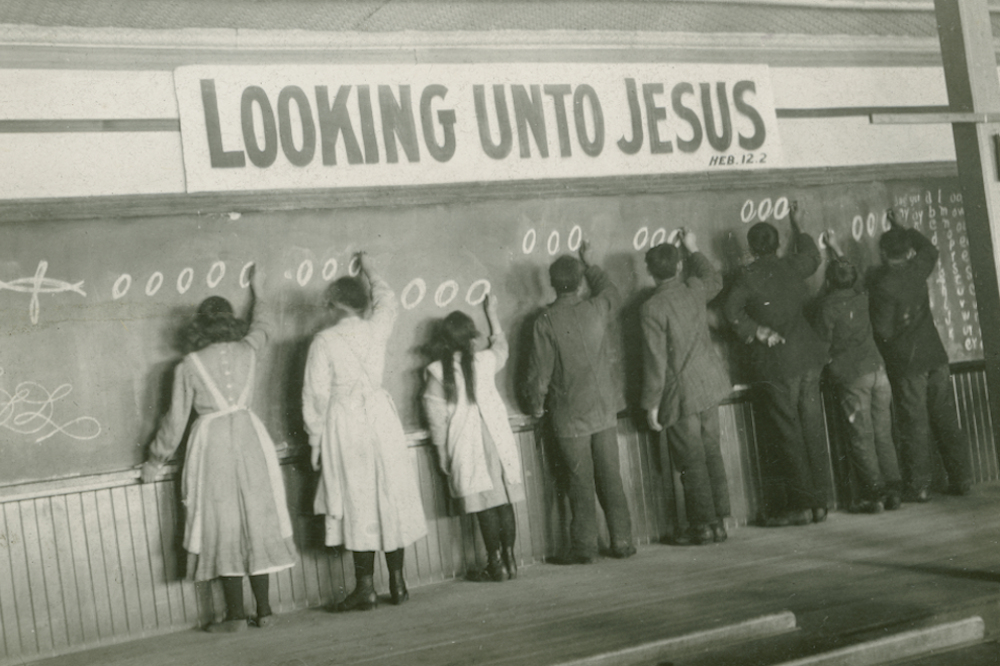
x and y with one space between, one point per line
720 141
497 151
446 117
333 121
303 156
397 122
759 131
529 113
688 115
260 156
582 92
632 146
367 125
558 93
654 114
219 158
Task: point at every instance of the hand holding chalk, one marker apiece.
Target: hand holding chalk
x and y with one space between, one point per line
796 215
690 241
890 215
585 252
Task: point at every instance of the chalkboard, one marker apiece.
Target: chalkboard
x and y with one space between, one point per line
91 309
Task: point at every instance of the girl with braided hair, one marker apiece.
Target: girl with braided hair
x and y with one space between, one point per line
469 427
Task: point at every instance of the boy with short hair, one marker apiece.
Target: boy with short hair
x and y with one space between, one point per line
684 381
860 382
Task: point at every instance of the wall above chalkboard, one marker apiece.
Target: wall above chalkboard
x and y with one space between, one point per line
91 308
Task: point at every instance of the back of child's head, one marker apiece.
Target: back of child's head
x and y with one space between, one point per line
566 273
895 243
762 239
841 274
662 260
213 322
456 333
348 291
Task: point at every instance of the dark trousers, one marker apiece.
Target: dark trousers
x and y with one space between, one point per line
794 440
866 404
925 409
694 443
590 459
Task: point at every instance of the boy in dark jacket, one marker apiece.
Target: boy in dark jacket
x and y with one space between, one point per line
862 387
916 361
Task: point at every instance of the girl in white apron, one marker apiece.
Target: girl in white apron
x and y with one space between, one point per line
237 520
368 489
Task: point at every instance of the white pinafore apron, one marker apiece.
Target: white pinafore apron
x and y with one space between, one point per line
194 470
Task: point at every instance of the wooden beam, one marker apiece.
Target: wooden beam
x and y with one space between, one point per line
932 118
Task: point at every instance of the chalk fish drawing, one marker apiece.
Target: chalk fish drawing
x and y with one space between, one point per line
30 408
39 284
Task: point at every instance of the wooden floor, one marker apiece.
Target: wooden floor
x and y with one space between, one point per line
852 577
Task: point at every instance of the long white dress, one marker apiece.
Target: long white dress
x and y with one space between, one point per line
368 487
237 518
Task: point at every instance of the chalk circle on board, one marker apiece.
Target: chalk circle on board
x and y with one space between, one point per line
245 274
764 209
478 284
871 225
575 233
446 293
660 234
355 266
184 280
405 297
553 243
745 214
213 280
528 242
305 273
644 233
122 285
154 283
781 208
329 269
822 242
674 235
858 227
886 225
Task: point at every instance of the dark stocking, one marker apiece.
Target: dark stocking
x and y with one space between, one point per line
232 589
508 535
364 563
489 525
260 584
394 560
397 584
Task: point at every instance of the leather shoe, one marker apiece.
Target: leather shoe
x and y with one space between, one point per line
819 514
227 626
920 495
892 501
867 506
623 551
695 536
961 488
719 533
363 597
797 518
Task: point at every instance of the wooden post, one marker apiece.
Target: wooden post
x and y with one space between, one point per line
970 69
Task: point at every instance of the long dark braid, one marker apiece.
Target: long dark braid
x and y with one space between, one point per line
456 333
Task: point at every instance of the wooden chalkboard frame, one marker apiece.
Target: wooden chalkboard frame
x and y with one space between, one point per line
214 203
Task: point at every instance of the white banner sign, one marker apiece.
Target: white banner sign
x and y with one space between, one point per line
265 128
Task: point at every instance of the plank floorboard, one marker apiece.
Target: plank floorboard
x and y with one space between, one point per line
851 575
